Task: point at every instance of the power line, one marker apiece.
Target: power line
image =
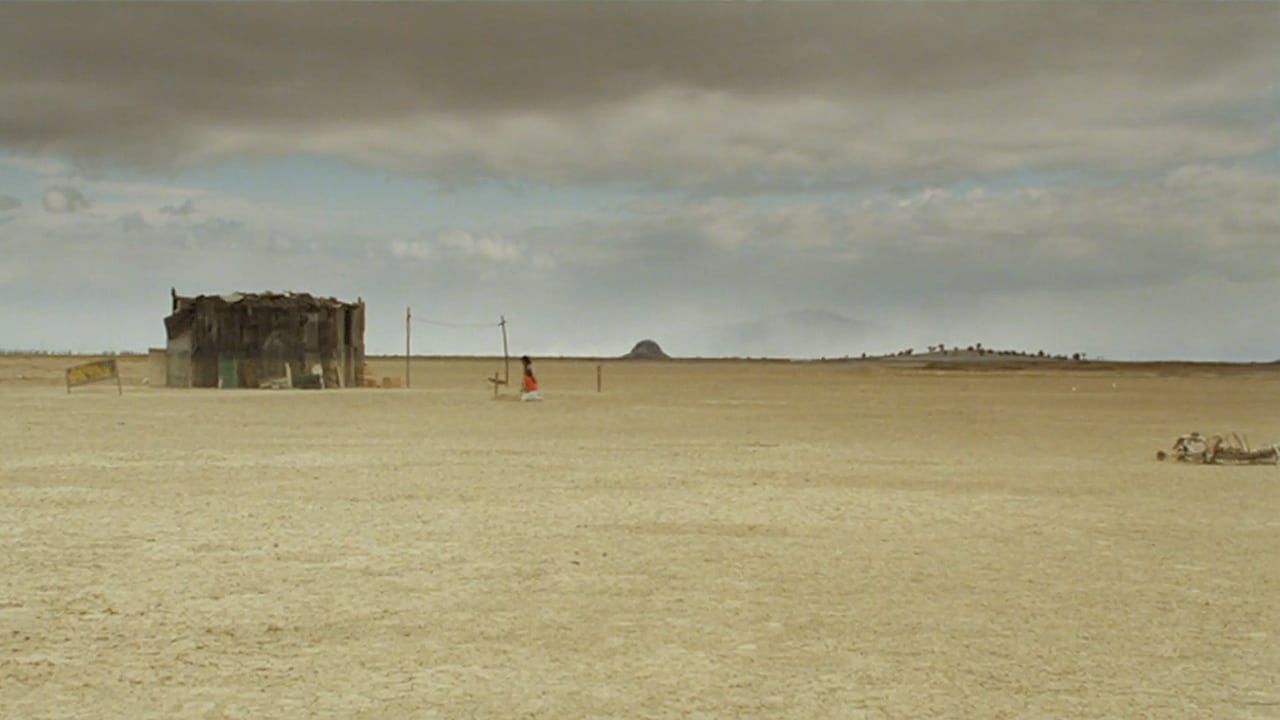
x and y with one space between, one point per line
409 319
442 323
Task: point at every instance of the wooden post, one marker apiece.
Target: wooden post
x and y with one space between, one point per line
506 357
599 379
408 318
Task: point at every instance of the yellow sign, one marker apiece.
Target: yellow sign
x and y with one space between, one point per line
93 372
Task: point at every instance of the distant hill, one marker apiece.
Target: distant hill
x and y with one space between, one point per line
646 350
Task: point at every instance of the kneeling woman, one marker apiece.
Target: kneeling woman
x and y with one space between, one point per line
529 388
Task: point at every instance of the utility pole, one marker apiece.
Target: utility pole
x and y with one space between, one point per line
506 356
408 319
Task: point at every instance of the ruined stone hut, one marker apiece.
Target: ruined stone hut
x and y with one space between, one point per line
248 340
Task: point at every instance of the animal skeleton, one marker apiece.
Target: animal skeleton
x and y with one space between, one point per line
1219 450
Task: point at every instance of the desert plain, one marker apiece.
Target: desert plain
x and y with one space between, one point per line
698 540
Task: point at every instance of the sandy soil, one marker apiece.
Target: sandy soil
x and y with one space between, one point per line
700 540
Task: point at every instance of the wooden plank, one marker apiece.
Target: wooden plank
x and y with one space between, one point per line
92 372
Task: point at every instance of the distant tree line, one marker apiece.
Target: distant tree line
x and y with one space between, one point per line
978 349
56 353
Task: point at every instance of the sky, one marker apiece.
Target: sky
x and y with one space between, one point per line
729 179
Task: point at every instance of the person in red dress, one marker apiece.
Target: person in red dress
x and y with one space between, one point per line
529 386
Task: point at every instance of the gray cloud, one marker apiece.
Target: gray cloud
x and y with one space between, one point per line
133 222
8 202
1019 269
89 169
216 227
62 200
928 249
186 209
782 179
465 246
708 95
819 332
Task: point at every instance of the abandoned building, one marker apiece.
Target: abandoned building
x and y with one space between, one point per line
246 340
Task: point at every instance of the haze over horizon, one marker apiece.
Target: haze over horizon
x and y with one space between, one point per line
728 179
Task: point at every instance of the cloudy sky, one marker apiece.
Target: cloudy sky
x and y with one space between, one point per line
732 179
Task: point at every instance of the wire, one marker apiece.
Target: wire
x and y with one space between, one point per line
442 323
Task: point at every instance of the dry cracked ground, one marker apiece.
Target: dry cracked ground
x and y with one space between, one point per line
699 540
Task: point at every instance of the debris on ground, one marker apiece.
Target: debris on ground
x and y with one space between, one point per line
1230 449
